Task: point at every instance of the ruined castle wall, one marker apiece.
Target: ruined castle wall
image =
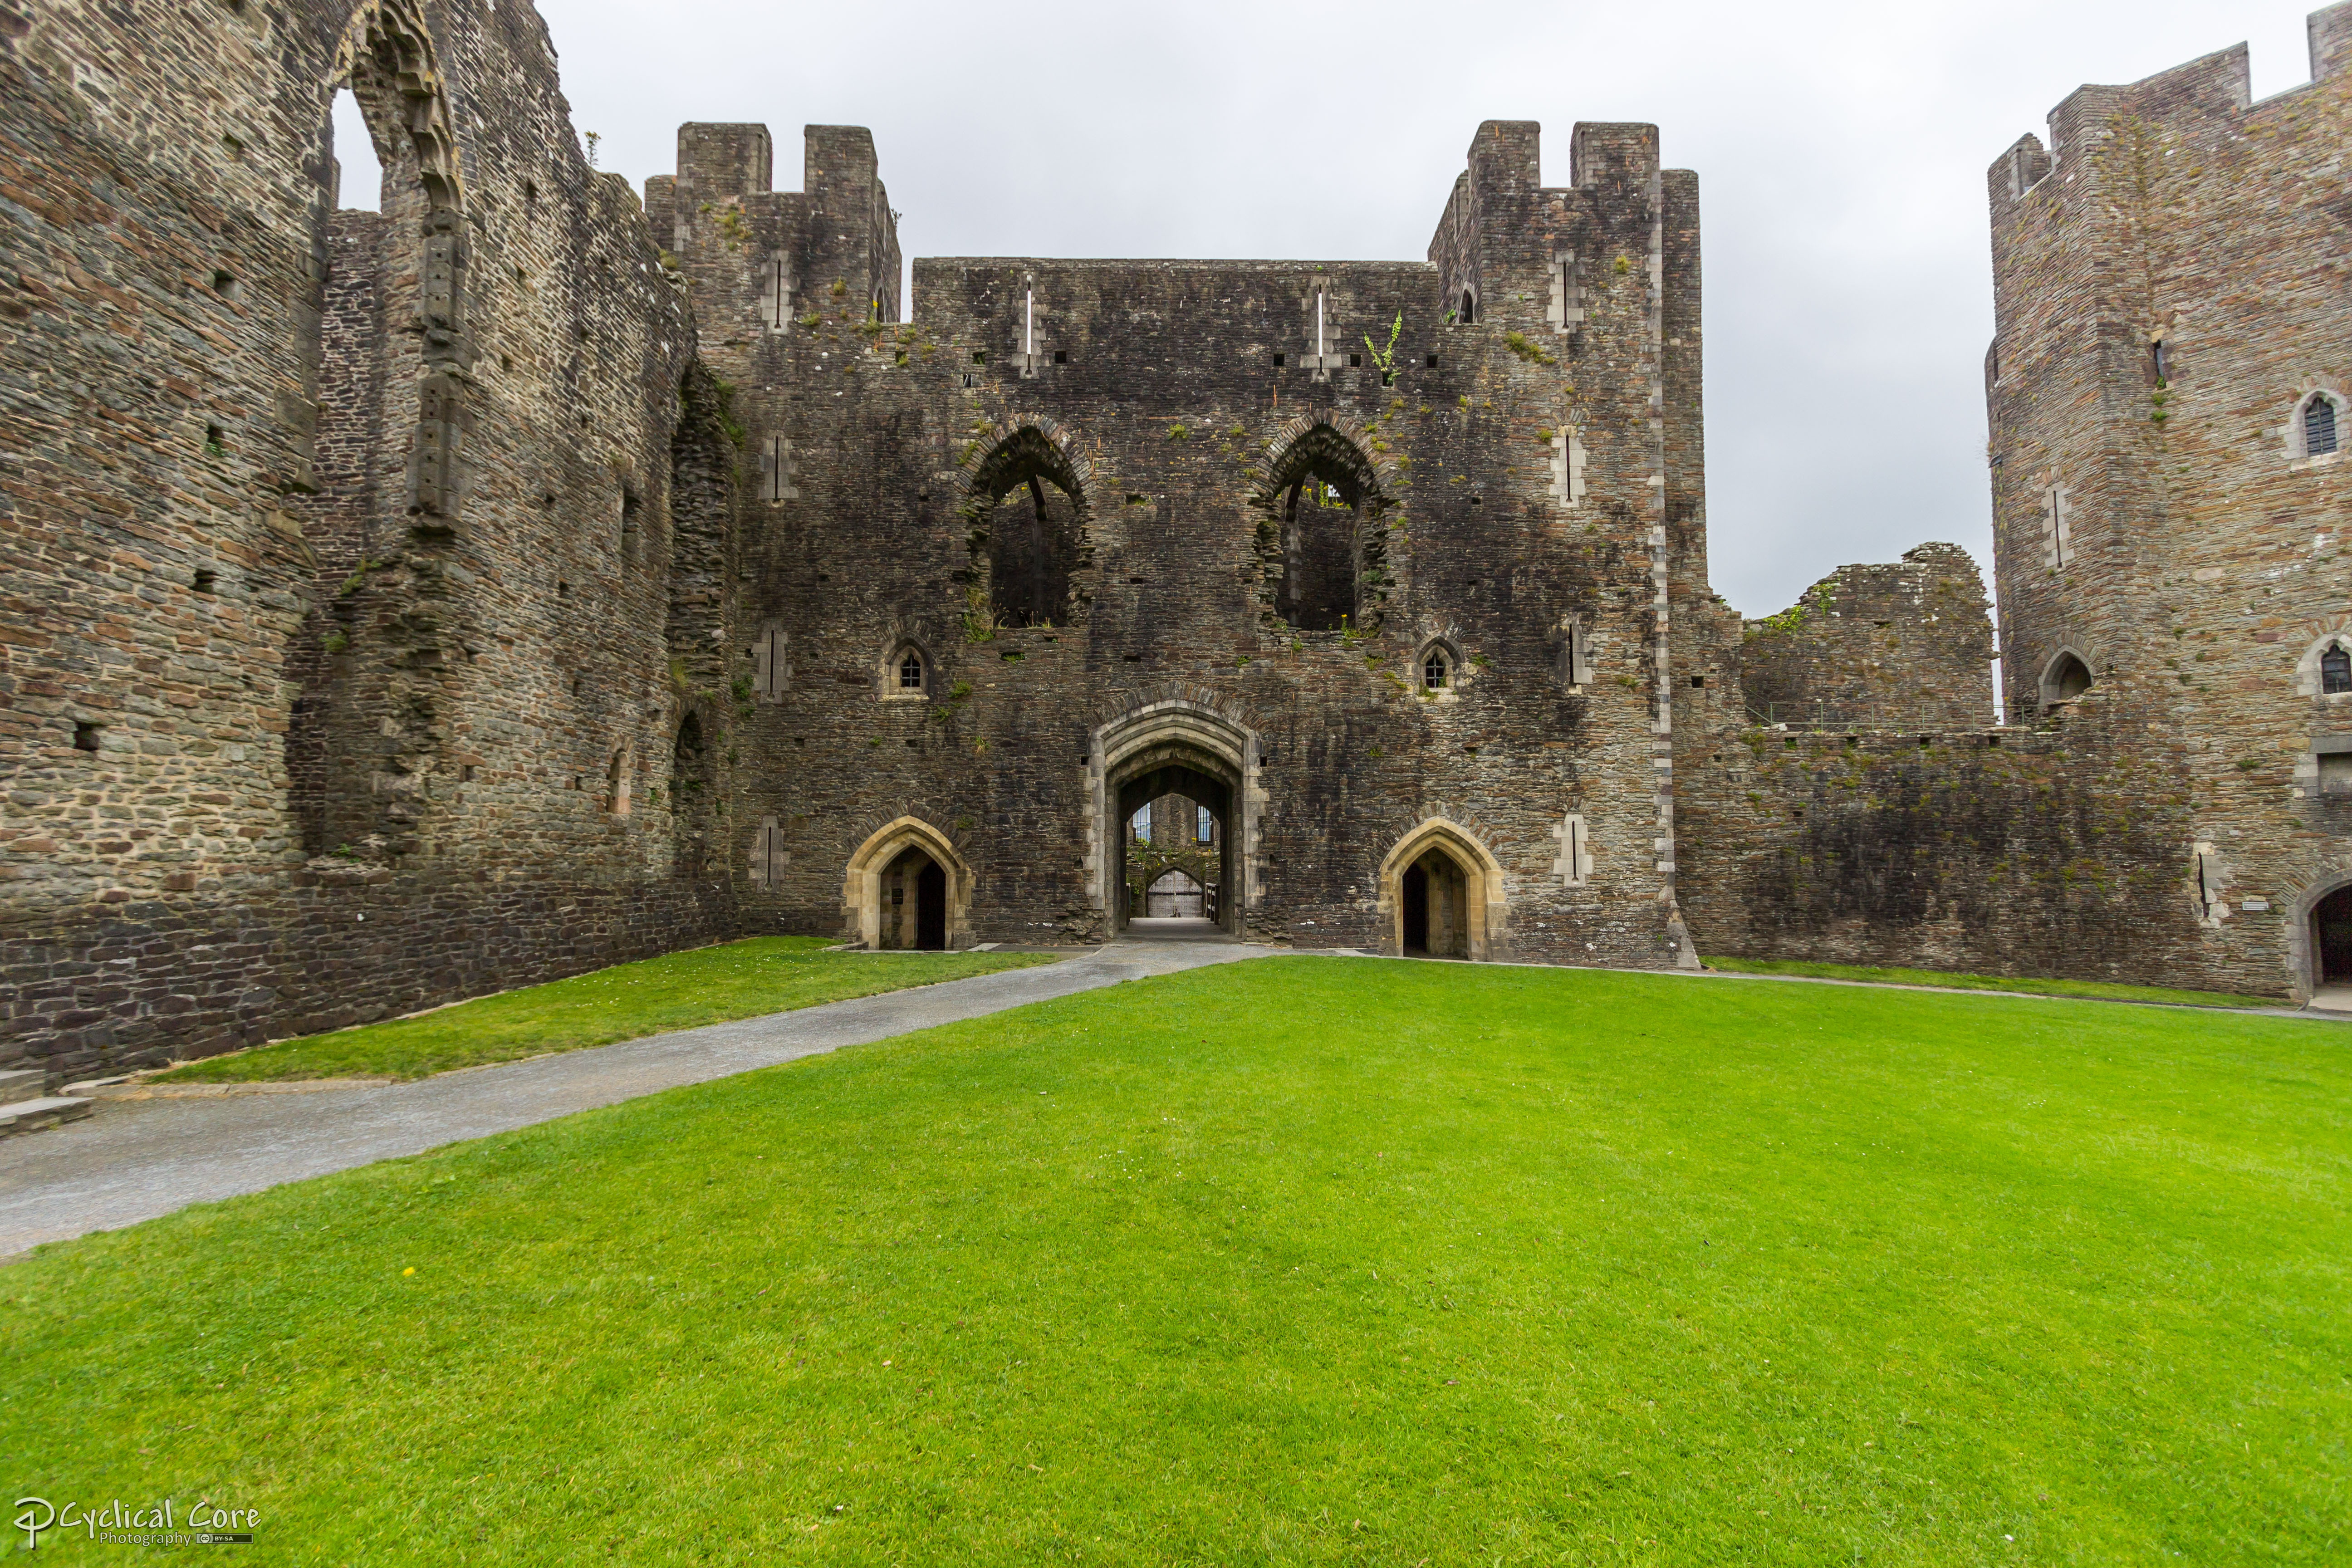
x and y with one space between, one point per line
1159 385
176 341
1994 852
1903 646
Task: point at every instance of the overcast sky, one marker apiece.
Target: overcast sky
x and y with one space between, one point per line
1841 151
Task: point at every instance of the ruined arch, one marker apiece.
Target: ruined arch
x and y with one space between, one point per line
379 455
1323 505
865 898
1483 898
1031 537
692 797
2065 677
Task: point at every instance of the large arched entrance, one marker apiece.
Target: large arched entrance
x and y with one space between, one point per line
907 889
1169 770
1443 893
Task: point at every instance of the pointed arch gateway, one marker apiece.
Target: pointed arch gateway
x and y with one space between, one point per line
1443 893
1031 537
907 886
1325 506
1186 743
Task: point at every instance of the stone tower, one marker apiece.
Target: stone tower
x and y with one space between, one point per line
2168 397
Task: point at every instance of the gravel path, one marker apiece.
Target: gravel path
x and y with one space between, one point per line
134 1159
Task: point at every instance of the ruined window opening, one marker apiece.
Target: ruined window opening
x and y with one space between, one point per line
358 177
2068 679
1030 518
690 794
616 783
2335 671
2160 361
1278 361
1061 356
1323 488
2319 426
1469 308
1698 682
1141 824
215 444
1205 829
632 513
205 579
1432 360
226 285
86 735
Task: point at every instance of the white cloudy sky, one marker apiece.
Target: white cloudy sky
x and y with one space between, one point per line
1841 151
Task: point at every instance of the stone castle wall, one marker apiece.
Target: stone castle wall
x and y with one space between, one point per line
316 524
1159 402
521 578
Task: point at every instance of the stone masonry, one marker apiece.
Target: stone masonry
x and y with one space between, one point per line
2171 303
528 576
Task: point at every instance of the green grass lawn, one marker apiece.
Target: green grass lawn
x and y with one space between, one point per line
679 990
1298 1260
2024 986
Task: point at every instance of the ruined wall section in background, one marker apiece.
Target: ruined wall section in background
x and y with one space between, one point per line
2004 852
332 534
1902 646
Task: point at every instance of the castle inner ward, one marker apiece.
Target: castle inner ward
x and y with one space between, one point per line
536 573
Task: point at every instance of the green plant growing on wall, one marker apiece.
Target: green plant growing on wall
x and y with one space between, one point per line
1177 432
337 641
1527 349
1386 357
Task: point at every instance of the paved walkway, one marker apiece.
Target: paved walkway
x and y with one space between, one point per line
134 1159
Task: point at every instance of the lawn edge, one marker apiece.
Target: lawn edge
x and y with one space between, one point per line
147 1078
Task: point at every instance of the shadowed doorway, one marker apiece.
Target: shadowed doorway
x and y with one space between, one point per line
2331 939
915 903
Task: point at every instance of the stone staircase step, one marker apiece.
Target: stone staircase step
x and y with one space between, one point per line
22 1083
32 1115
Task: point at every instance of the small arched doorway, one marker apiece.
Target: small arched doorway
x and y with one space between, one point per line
915 912
907 889
1443 893
1435 892
2331 939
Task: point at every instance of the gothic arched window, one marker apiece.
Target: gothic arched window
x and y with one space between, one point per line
2318 425
2335 671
